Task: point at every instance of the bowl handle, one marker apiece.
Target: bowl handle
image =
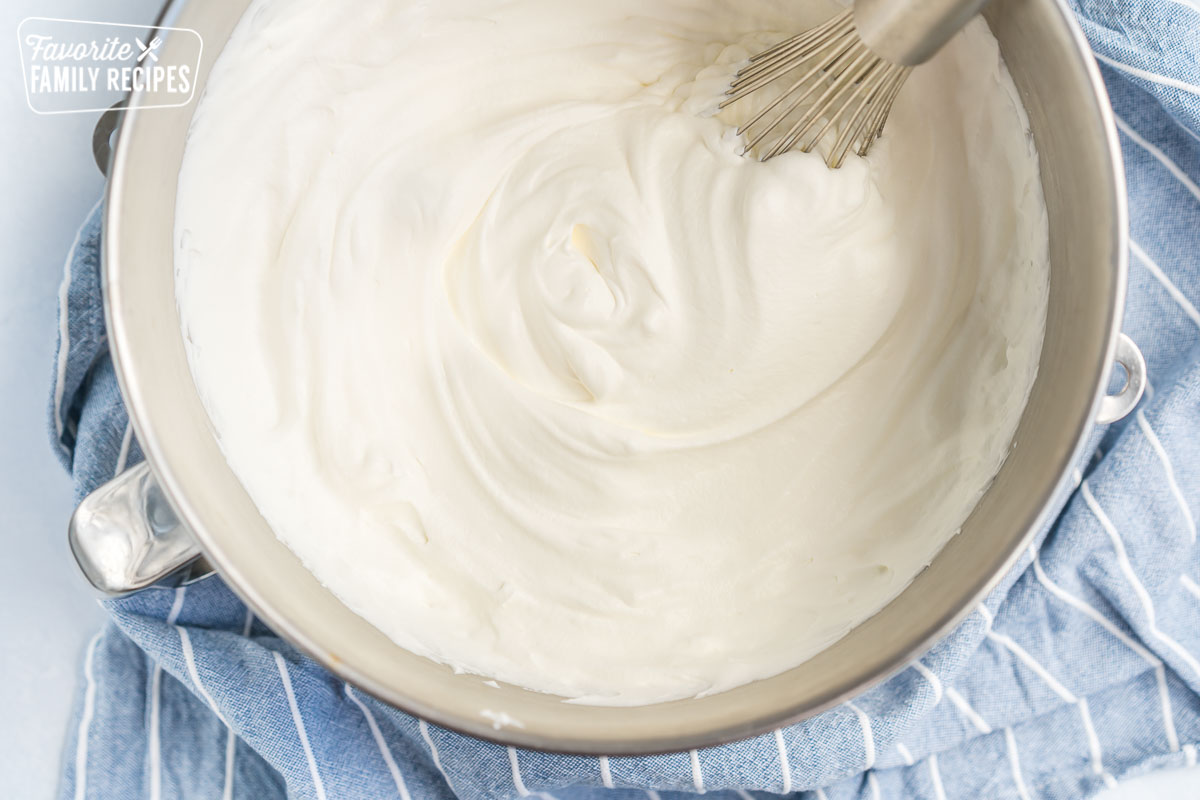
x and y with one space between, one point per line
1114 407
126 537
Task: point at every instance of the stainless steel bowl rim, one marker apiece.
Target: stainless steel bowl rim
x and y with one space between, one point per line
243 582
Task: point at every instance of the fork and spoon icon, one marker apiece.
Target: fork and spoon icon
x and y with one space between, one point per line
148 49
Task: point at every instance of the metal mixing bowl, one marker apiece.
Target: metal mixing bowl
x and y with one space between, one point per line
125 535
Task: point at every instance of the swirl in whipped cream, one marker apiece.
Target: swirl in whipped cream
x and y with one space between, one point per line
542 378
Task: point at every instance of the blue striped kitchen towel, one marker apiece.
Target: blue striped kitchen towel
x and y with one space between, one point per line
1081 669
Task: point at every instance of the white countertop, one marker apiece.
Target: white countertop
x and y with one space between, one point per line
50 182
46 168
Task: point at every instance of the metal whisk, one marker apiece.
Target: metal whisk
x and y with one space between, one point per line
845 74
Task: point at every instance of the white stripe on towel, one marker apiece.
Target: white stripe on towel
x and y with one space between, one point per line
377 734
605 772
437 762
1160 156
1059 689
868 738
518 783
298 721
1179 297
697 775
1134 581
905 753
934 681
1184 508
155 742
189 660
1024 657
1089 729
935 775
986 613
785 764
874 785
64 331
1126 639
1186 129
965 709
230 754
1190 585
85 719
1014 761
1164 698
1153 77
231 738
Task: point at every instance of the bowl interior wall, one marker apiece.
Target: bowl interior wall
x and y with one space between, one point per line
1086 244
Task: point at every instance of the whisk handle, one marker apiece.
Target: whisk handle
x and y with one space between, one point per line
909 32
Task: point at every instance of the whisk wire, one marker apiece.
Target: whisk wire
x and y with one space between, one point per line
742 86
885 108
795 48
850 75
840 46
856 91
863 114
851 107
800 37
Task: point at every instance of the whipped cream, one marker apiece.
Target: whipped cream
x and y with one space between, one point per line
538 375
